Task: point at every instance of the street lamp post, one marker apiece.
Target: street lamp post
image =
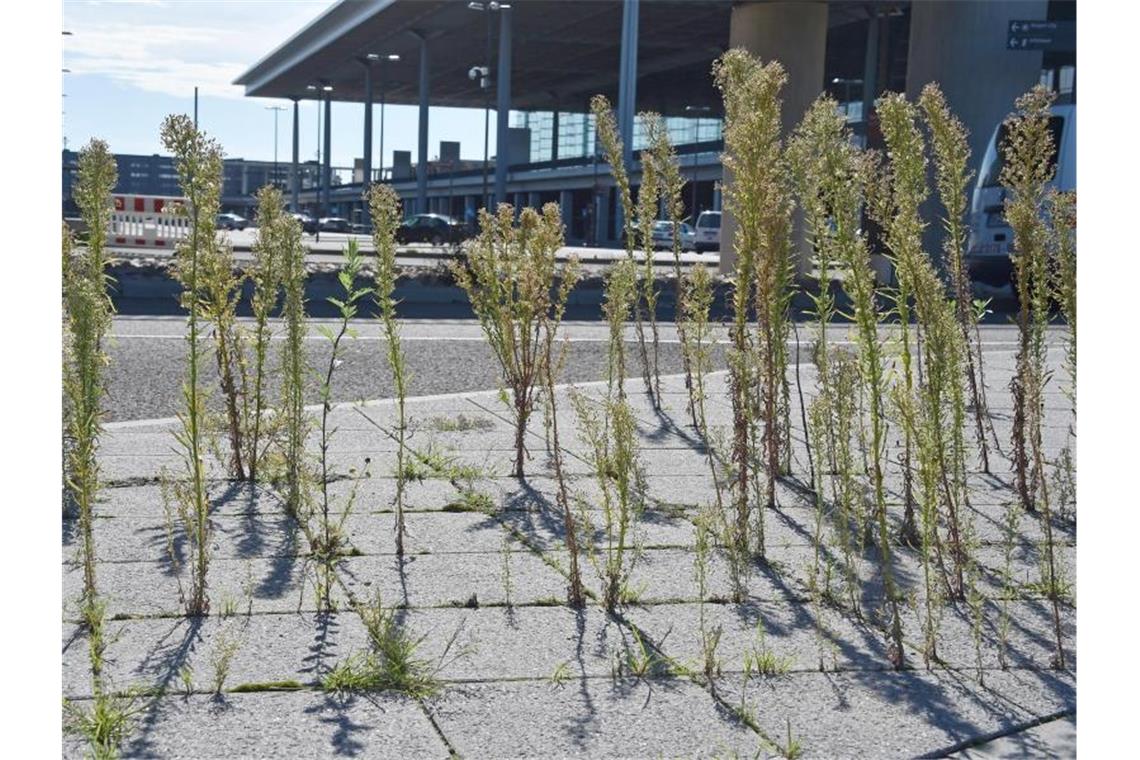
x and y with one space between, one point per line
383 59
276 110
483 74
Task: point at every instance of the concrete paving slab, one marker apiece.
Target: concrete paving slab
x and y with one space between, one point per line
1055 740
281 724
589 717
436 580
886 714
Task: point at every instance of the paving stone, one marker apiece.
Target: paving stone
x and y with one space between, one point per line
299 647
1054 739
434 580
280 724
589 717
897 714
151 588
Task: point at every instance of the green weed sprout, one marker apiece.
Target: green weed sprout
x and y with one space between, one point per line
385 207
1027 169
509 275
268 251
106 723
198 161
1063 248
392 661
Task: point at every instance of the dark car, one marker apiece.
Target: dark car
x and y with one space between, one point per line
232 222
436 229
335 224
308 223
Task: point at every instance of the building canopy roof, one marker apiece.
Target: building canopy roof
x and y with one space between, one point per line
563 51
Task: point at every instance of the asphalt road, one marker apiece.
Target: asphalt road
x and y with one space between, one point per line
148 360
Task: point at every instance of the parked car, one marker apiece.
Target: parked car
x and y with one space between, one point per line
231 222
436 229
663 236
308 223
991 239
708 231
335 224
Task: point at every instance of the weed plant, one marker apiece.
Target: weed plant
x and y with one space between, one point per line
552 362
609 432
859 284
294 371
265 274
330 541
227 644
1028 167
670 185
106 723
948 138
935 420
1063 248
87 319
618 304
760 201
384 205
198 162
649 195
220 285
614 151
392 661
509 275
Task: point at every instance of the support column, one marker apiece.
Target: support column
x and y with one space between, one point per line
534 200
962 47
554 135
627 82
566 209
422 160
871 68
295 174
503 108
367 123
326 170
793 32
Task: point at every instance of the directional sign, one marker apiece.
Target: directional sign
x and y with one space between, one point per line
1042 35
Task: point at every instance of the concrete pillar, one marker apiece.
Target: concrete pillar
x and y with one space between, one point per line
602 215
716 197
520 200
295 173
327 168
627 77
962 47
534 200
871 67
367 123
422 153
554 136
503 107
793 32
566 208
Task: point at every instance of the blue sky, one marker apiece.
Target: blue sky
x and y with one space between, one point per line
132 62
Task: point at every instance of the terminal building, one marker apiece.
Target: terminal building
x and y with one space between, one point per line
538 62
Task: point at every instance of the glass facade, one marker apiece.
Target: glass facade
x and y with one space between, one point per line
576 132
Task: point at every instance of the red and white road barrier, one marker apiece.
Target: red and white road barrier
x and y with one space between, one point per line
147 221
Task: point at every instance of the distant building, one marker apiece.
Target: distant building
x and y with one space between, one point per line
156 175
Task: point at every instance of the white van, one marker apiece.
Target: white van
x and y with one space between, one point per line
991 240
708 231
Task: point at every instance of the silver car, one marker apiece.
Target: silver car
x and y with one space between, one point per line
708 231
663 236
